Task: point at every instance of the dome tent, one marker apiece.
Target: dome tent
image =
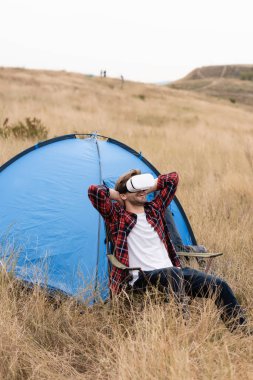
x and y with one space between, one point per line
47 218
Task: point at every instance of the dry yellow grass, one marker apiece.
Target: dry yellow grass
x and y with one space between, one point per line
210 144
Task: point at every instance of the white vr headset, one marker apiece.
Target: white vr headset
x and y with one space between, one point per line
140 182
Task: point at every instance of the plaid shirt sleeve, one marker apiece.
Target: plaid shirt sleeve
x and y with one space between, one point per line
99 196
167 184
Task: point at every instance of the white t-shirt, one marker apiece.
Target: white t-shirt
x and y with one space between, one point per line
145 248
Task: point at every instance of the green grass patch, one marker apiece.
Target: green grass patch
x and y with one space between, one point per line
30 128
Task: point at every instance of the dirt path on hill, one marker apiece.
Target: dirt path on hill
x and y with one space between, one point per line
215 81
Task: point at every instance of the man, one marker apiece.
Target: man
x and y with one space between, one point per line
141 239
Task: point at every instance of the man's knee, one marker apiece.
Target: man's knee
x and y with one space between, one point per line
218 286
219 283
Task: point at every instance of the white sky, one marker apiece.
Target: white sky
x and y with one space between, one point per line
144 40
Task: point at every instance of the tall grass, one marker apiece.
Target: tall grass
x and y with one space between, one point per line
210 144
115 341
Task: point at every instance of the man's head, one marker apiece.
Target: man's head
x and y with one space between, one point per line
132 187
120 185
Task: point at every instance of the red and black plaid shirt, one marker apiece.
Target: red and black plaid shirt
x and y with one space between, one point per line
120 222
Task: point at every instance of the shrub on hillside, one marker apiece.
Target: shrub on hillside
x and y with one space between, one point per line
246 75
31 128
142 97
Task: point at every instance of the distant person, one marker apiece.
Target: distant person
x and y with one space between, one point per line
122 80
141 239
104 73
101 73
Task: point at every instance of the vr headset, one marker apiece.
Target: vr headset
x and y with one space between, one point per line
140 182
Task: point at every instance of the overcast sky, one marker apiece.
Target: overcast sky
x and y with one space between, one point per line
149 41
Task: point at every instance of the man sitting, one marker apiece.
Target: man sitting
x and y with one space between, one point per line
139 232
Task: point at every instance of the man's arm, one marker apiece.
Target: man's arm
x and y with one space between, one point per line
153 188
166 184
114 196
101 198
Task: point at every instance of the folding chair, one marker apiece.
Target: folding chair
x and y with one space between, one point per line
188 252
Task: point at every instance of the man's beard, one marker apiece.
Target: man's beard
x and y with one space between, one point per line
138 202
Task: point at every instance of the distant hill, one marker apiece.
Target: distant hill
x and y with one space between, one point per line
230 71
232 82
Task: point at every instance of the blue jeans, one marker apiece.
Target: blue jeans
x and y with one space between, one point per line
195 283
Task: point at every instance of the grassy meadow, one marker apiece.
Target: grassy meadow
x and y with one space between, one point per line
209 142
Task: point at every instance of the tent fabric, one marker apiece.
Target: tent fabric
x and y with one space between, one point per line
49 230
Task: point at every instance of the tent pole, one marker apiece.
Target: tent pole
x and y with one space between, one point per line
99 222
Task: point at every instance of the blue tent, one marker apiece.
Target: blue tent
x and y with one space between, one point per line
48 227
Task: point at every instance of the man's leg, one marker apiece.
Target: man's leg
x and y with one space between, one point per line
166 279
199 284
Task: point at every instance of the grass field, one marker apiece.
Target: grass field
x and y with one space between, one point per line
210 143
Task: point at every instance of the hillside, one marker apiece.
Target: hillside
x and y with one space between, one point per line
233 83
209 142
69 102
